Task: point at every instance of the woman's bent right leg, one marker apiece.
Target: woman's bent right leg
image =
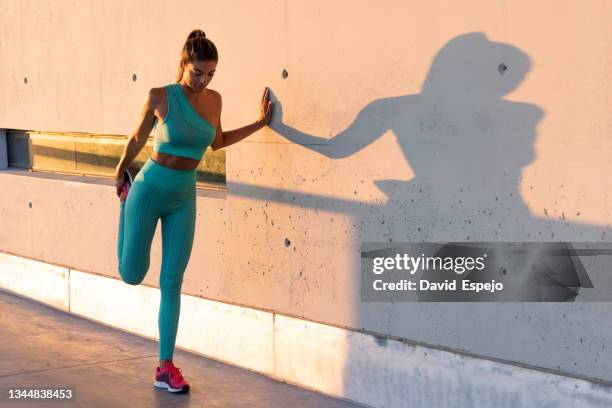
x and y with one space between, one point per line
138 218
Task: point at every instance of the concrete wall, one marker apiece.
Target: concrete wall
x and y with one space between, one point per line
395 122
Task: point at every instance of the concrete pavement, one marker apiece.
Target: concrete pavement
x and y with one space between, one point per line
106 367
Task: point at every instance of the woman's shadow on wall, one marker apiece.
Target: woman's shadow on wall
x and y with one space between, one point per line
466 144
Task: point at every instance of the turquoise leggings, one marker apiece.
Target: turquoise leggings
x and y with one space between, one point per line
169 194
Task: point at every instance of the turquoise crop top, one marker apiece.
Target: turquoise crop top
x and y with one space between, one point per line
183 132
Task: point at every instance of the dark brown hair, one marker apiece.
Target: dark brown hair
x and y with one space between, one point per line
197 47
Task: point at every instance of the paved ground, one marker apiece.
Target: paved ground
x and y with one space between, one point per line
44 347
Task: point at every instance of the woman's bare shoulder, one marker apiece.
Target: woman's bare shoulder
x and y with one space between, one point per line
158 101
158 92
158 96
216 98
213 92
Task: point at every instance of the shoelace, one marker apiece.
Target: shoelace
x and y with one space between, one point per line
175 372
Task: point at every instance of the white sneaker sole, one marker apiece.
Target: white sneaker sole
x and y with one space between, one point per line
161 384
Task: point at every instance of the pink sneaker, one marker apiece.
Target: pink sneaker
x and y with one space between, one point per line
129 175
170 378
124 191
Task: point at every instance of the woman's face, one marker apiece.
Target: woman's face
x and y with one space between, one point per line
198 74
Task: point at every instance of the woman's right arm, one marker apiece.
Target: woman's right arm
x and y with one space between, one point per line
138 140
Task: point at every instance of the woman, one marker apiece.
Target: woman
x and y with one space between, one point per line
186 117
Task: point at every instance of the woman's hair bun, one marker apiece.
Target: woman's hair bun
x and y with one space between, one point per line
196 34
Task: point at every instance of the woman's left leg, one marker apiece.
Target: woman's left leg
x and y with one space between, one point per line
178 229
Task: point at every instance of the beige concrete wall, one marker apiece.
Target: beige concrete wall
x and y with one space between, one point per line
403 91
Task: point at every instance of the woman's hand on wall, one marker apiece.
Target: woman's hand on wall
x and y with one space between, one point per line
266 108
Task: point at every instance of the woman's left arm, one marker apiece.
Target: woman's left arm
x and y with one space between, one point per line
225 139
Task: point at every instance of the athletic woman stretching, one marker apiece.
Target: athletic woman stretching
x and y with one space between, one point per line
187 119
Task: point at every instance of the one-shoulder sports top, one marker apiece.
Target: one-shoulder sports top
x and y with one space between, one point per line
183 132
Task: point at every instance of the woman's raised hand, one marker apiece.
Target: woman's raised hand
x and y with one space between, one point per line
266 107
